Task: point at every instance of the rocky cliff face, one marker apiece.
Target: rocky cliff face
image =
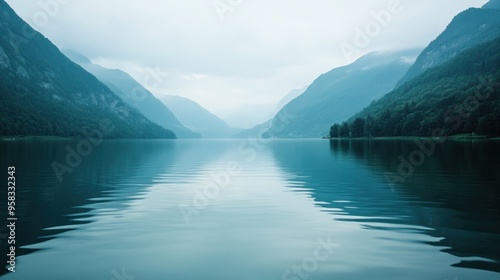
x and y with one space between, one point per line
468 29
44 93
134 95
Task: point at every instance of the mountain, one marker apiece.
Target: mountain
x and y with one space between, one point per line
45 93
289 97
247 115
459 96
468 29
134 94
493 4
258 129
340 93
197 118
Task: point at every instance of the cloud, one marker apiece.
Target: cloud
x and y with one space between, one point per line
408 59
192 77
257 53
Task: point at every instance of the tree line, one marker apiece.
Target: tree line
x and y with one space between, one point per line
461 96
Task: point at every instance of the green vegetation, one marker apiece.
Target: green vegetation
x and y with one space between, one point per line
34 138
337 95
459 97
134 95
468 29
43 93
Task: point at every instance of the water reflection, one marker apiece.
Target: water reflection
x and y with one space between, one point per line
457 191
113 175
134 222
121 209
454 196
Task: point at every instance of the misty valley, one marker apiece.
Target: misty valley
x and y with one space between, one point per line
128 154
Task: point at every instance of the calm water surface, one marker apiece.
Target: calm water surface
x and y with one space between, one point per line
288 209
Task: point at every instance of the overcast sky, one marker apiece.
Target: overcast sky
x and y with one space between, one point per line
234 54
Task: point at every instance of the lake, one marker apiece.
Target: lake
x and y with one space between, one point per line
248 209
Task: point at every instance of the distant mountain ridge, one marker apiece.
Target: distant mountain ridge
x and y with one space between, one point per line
468 29
493 4
289 97
46 94
134 94
337 95
196 118
455 94
459 96
256 130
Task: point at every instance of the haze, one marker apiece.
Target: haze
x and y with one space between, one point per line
235 58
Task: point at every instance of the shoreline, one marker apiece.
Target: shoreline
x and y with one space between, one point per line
59 138
458 137
35 138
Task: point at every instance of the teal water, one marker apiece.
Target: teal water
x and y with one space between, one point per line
230 209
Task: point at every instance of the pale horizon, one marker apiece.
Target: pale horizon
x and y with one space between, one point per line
249 55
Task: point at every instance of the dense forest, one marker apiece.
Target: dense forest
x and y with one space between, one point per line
460 96
341 92
42 114
134 95
43 93
468 29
